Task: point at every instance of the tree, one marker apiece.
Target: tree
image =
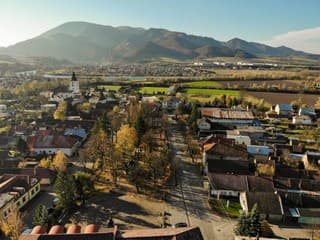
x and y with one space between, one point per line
140 127
40 216
22 146
65 189
45 163
126 139
104 154
61 111
249 223
60 161
254 222
242 227
84 186
12 226
98 150
194 116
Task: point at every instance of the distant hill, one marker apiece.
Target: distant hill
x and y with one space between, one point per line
83 42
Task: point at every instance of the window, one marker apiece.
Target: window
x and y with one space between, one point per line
18 204
32 191
37 188
4 214
23 199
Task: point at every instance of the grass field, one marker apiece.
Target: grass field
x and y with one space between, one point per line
222 208
110 87
211 91
153 90
203 84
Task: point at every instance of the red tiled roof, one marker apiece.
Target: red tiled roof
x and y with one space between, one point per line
56 233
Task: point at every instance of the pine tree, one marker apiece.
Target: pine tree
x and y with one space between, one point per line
242 227
140 127
65 189
254 222
193 117
41 216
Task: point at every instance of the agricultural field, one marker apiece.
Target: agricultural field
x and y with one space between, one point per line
284 84
274 98
153 90
110 87
210 84
201 91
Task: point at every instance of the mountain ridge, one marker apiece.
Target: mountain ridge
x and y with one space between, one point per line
84 42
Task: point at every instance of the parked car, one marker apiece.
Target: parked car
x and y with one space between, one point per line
179 225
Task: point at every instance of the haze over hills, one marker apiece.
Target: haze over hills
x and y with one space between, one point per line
83 42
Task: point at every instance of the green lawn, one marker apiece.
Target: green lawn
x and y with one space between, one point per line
110 87
220 206
203 84
153 90
211 91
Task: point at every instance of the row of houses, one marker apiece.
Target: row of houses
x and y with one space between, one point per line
257 173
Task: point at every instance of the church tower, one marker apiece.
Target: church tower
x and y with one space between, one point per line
74 84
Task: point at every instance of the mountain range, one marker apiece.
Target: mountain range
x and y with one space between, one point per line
83 42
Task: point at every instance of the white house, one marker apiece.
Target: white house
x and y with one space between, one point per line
51 144
303 119
3 108
171 103
15 192
284 110
203 124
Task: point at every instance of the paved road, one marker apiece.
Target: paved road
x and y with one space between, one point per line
188 199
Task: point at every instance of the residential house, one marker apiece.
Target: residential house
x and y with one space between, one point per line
150 100
203 124
284 110
302 119
171 103
219 154
311 160
229 185
260 153
238 138
50 143
230 118
269 204
308 112
16 191
45 176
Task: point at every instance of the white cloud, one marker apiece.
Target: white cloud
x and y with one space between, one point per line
307 40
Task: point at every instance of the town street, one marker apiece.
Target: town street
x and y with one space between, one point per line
187 200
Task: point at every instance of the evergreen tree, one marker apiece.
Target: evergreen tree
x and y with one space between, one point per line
194 116
254 221
40 216
65 189
140 127
242 227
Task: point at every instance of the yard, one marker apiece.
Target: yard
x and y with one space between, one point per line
225 207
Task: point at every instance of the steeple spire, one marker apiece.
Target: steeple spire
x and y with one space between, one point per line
73 77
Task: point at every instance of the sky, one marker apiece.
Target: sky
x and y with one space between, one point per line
293 23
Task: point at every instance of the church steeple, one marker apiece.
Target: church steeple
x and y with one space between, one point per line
74 77
74 84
